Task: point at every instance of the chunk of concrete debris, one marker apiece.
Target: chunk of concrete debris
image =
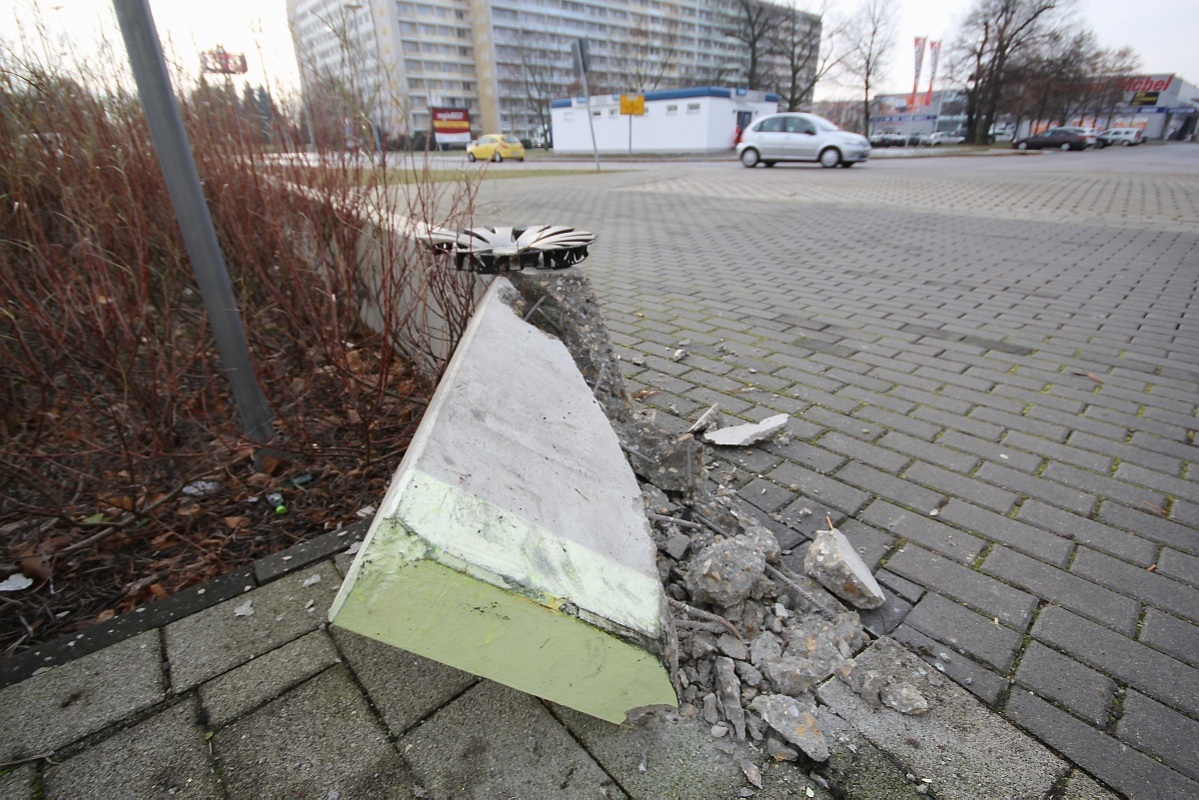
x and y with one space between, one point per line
745 435
793 676
725 573
903 697
728 692
833 562
707 419
795 720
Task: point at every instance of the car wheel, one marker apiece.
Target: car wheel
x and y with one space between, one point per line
1125 143
749 157
1021 145
497 158
830 157
847 164
770 163
1067 146
470 157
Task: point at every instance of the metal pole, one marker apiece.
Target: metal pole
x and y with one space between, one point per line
591 122
630 134
199 236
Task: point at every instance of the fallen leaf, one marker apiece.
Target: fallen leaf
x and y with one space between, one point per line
271 465
105 615
158 592
641 394
234 523
36 566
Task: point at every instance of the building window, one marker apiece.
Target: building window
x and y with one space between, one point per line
672 109
693 108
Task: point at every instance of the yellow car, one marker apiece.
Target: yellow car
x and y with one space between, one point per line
494 147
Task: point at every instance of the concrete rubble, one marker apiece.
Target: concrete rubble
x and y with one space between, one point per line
832 560
745 435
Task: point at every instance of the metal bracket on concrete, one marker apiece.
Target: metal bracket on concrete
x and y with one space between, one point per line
492 250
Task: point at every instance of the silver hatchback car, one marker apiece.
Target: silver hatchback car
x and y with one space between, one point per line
795 136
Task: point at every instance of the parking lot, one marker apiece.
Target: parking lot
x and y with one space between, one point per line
991 366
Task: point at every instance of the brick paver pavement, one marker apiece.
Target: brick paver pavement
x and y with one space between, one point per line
992 371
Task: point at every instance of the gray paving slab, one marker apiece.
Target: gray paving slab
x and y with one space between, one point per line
227 635
164 756
964 750
21 783
68 702
242 689
403 686
496 742
319 739
678 758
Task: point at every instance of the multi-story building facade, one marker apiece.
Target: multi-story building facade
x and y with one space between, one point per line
506 60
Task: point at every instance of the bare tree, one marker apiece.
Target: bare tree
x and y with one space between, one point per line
803 42
752 22
993 37
641 62
536 78
869 39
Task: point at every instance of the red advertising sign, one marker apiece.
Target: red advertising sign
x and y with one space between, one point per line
451 125
222 62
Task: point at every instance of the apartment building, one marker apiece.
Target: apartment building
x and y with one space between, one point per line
506 60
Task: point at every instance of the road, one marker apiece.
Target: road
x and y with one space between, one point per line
992 370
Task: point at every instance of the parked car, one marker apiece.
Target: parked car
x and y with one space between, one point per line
800 137
1057 138
1089 134
888 139
494 147
943 137
1125 137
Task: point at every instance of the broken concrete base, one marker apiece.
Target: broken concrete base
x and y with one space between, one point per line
832 560
512 542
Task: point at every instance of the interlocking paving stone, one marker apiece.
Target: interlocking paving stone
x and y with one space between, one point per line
1151 526
1160 732
924 530
865 452
243 689
218 639
897 490
1083 691
1159 481
164 756
1037 488
965 631
962 487
1036 542
1093 534
1171 635
980 681
1142 584
1103 486
937 453
68 702
1128 771
1125 452
991 597
1142 668
1084 597
1179 566
1081 786
821 489
497 742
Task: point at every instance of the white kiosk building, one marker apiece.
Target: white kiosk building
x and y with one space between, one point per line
700 120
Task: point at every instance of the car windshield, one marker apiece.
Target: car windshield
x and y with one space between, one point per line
511 140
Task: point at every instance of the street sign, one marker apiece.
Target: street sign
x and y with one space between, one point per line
632 104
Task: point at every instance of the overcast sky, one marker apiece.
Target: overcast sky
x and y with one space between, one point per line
1163 32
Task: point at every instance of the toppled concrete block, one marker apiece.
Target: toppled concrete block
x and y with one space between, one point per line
795 719
745 435
513 542
725 573
836 565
